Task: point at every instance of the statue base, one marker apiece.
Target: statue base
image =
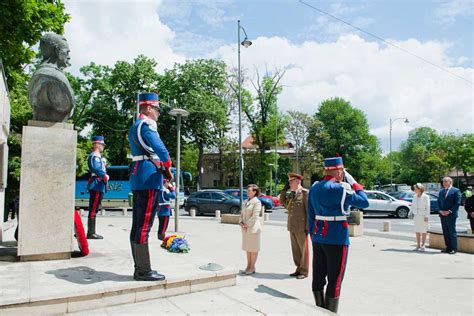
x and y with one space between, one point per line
47 186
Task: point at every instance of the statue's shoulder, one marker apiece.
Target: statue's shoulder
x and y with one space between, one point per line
49 73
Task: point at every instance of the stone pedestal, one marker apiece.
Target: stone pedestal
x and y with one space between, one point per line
357 230
386 226
47 184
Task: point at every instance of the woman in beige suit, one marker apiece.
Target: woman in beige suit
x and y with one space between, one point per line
250 225
420 212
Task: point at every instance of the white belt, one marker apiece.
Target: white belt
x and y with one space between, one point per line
330 218
143 157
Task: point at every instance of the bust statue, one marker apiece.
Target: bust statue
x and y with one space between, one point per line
49 91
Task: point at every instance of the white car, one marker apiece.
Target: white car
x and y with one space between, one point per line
382 203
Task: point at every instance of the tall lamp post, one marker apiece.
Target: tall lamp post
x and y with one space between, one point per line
391 122
246 43
271 185
179 113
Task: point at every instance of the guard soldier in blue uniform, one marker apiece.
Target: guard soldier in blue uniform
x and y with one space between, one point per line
150 163
97 184
167 194
328 207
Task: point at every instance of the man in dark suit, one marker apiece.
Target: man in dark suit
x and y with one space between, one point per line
449 200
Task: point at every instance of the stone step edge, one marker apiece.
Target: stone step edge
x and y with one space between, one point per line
117 297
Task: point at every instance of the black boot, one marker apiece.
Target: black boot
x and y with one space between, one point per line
332 303
319 298
143 270
133 244
91 230
161 236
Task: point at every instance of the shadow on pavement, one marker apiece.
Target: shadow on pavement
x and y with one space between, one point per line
278 276
268 290
86 275
411 251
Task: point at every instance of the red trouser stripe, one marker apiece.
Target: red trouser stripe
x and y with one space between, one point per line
341 272
146 222
94 206
165 224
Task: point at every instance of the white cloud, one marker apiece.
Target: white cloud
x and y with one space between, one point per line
447 12
104 32
381 80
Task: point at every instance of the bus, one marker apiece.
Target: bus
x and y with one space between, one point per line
118 188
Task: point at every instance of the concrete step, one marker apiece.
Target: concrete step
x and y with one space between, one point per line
125 292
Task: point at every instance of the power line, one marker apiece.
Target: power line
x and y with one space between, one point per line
385 41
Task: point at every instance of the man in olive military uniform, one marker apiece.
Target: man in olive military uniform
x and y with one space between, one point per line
296 203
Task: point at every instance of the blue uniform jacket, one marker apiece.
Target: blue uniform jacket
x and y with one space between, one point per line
325 199
144 174
97 173
165 197
450 202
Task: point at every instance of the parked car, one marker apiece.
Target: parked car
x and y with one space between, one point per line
275 200
408 196
208 201
382 203
266 202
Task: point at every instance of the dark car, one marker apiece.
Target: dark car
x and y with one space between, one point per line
408 196
266 202
207 202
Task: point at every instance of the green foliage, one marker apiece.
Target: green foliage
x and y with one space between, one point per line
199 86
107 98
22 24
422 158
342 129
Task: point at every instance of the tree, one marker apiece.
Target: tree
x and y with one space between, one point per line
459 152
199 86
422 158
107 101
297 131
344 131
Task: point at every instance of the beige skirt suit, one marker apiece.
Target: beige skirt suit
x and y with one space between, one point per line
420 208
250 215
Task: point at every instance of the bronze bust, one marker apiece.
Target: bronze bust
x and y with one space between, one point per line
49 91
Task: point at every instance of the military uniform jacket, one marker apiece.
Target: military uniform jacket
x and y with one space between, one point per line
330 198
297 206
97 172
144 174
165 201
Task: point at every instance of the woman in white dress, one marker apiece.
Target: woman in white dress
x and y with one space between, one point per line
420 211
251 228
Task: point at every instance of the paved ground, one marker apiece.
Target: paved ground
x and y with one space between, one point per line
397 224
384 275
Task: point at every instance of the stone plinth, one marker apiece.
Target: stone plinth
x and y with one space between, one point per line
47 184
356 230
465 241
230 219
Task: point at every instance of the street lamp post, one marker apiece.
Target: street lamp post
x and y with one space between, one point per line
246 43
179 113
390 154
271 185
276 154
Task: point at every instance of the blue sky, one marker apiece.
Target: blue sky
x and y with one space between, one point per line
322 57
445 21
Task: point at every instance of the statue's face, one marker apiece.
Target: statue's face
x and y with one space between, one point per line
63 54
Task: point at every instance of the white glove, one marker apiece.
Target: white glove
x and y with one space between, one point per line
350 179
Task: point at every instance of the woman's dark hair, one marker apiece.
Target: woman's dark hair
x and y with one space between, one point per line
254 188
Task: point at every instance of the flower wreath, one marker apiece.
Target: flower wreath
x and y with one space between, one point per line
176 244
